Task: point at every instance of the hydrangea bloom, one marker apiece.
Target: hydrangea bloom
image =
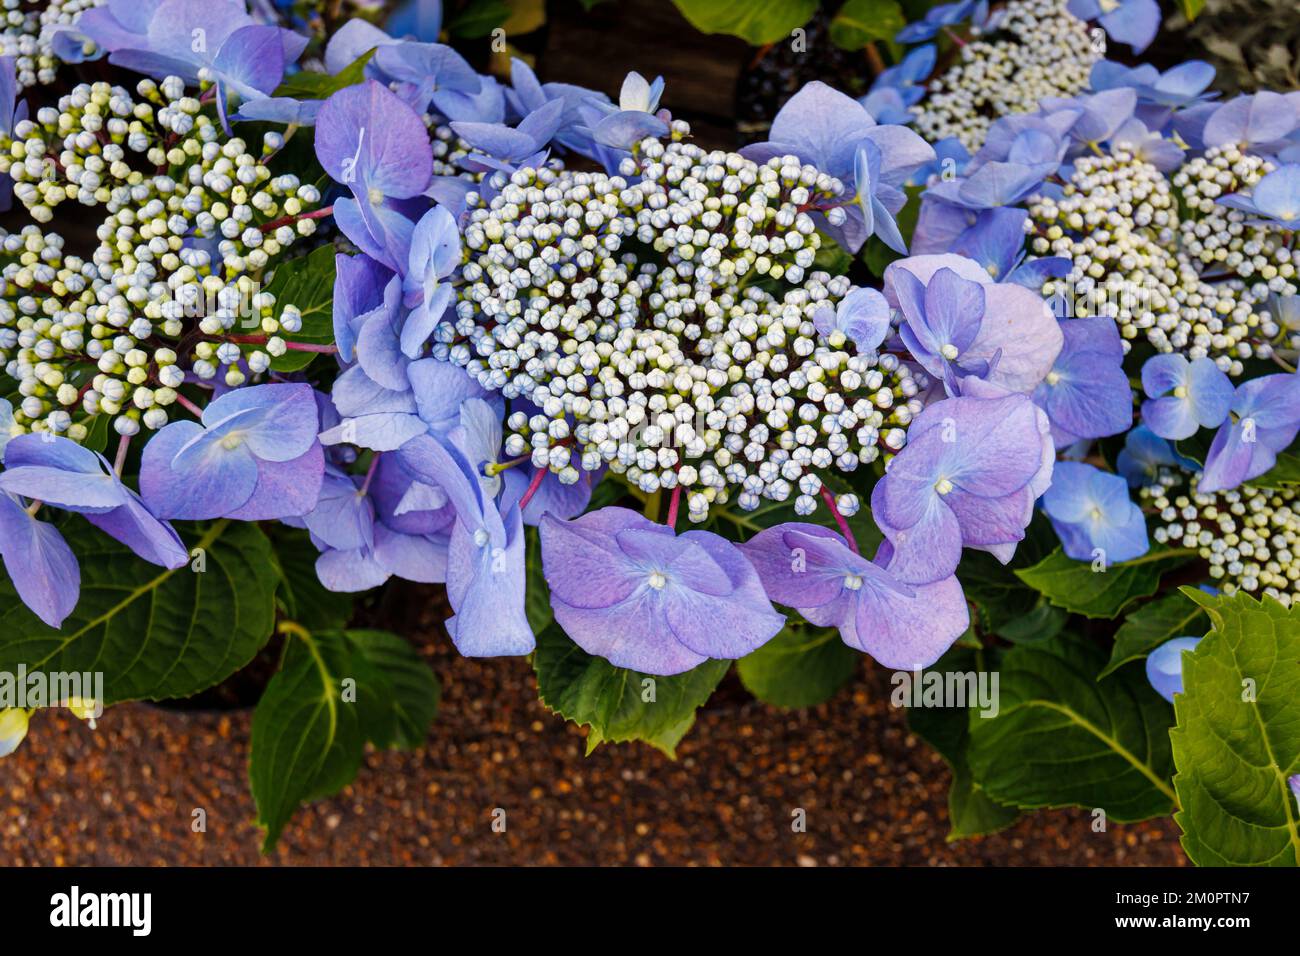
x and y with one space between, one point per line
1091 512
814 570
253 456
1165 666
1183 396
1265 418
645 598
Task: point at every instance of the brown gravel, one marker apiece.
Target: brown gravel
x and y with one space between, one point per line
874 793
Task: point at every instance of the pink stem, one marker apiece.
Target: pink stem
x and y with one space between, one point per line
839 519
119 462
189 406
370 472
533 485
290 220
673 502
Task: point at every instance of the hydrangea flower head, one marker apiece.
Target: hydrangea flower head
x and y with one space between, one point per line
813 569
253 456
1183 396
1165 666
1091 511
1087 394
1264 420
645 598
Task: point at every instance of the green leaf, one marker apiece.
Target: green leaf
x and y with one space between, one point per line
802 666
1145 629
308 283
755 21
1061 739
537 600
153 632
1191 8
1075 586
999 596
97 436
410 691
306 742
859 22
334 691
305 85
1043 622
1238 735
971 811
479 19
303 598
613 701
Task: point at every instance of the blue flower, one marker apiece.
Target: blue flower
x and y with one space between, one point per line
41 566
862 317
1165 666
1265 418
944 15
813 569
645 598
1183 396
502 147
376 145
1091 511
254 456
1087 393
1144 454
59 472
1134 22
1275 200
908 77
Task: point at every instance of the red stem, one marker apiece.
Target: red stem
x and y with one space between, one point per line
532 488
370 472
119 462
673 502
290 220
839 519
189 406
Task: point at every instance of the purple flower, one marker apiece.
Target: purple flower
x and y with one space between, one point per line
862 316
1144 454
830 130
377 146
635 117
41 566
1183 396
1090 510
944 15
957 322
645 598
1134 22
526 95
908 77
1165 666
812 569
435 254
485 554
1275 200
254 456
1259 121
1265 418
1087 393
59 472
968 476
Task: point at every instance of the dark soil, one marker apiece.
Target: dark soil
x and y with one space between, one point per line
874 794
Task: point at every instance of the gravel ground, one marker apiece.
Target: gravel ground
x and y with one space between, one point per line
873 793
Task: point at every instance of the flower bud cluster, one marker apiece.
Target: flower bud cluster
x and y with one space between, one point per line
661 323
26 36
176 271
1250 535
1160 257
1040 50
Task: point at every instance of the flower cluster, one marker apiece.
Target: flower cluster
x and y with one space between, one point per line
1027 51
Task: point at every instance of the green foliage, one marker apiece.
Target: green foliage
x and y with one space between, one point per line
971 811
334 691
800 667
153 632
1163 619
307 283
617 704
301 596
1075 586
305 85
859 22
755 21
999 596
1238 735
1061 738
